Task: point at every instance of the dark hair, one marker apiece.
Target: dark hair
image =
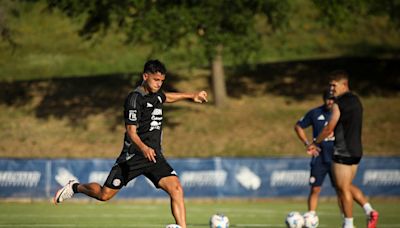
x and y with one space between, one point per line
153 66
338 75
327 94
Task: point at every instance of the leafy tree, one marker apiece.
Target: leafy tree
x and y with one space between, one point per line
339 12
7 9
221 26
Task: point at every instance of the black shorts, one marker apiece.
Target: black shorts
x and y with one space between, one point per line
122 173
346 160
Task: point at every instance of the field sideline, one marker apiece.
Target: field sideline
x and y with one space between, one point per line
148 214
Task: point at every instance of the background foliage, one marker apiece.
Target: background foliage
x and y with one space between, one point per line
61 91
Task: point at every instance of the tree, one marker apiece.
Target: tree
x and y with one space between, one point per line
337 13
222 26
6 9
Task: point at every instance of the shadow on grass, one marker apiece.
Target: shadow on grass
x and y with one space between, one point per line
300 79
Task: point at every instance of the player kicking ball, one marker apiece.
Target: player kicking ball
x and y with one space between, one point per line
141 153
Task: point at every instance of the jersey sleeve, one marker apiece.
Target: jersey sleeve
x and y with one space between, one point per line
306 120
132 109
163 96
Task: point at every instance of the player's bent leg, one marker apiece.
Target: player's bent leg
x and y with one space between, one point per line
343 178
358 195
313 198
339 202
173 187
94 190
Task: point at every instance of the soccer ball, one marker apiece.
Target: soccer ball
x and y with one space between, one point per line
310 220
219 221
173 226
294 220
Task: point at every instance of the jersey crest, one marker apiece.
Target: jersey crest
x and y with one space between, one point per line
132 115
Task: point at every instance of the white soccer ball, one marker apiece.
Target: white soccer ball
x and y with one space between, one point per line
219 221
310 220
294 220
173 226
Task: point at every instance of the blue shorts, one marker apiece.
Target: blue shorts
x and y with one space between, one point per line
319 170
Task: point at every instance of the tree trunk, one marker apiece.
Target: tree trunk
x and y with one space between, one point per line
218 78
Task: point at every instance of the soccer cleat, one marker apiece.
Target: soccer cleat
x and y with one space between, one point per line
65 192
373 219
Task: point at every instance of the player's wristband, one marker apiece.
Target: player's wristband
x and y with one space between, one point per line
306 143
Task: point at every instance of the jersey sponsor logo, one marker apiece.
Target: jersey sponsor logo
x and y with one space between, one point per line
132 115
157 112
156 117
329 139
155 125
148 105
321 117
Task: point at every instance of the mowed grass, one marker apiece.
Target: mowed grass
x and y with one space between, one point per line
143 214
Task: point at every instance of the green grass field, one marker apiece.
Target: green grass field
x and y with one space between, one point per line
143 214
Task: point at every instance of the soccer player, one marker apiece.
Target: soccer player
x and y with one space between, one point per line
346 122
142 153
320 162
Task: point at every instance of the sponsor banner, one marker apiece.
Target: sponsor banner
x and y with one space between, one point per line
24 178
211 177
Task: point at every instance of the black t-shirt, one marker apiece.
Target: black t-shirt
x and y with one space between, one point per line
145 111
349 126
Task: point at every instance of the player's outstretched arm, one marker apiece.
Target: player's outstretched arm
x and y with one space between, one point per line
198 97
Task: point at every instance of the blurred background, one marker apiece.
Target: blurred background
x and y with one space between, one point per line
66 67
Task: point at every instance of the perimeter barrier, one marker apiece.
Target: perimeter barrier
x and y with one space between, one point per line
217 177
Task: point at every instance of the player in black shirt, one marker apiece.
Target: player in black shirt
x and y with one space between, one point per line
142 153
346 122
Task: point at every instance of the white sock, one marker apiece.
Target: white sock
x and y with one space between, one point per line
368 209
313 212
348 223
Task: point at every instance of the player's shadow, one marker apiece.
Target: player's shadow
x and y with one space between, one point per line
300 79
77 98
